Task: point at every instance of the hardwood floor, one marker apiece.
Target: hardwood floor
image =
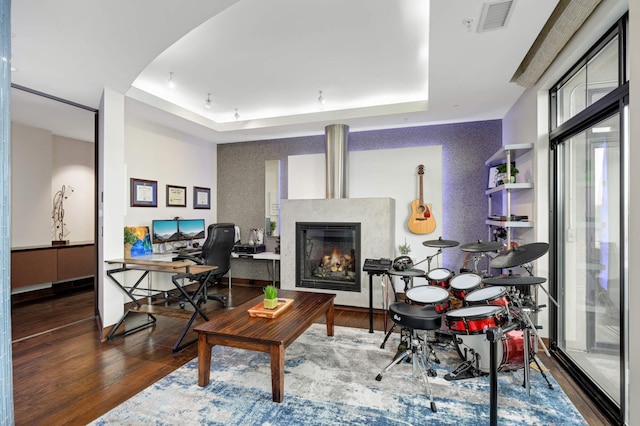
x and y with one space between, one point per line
66 375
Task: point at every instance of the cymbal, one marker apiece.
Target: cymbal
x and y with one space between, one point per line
481 246
440 243
514 280
519 255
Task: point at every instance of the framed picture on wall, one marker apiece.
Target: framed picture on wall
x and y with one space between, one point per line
176 196
201 198
144 193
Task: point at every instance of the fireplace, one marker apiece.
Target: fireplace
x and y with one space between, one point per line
328 255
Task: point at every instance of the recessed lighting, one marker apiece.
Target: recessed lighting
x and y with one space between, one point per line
601 129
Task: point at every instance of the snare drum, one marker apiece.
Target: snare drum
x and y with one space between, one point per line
439 277
463 284
426 295
475 319
509 354
494 295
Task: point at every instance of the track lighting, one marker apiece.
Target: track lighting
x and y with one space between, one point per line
171 81
321 99
236 115
207 102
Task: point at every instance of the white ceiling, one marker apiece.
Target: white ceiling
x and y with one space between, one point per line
379 63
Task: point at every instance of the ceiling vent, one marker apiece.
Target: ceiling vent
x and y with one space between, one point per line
495 15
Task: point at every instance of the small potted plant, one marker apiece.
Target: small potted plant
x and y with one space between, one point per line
502 173
405 248
270 297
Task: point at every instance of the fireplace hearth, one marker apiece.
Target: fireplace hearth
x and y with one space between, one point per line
328 255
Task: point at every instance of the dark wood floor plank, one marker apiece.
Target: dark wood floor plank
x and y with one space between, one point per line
68 376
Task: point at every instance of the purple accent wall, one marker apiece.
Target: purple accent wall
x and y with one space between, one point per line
465 147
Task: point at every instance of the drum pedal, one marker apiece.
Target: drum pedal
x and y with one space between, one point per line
463 371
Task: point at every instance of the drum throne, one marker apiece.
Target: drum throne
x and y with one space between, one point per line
416 318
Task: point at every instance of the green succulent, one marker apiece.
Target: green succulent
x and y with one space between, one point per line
270 292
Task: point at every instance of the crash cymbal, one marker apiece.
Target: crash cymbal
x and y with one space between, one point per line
519 255
481 246
440 243
514 280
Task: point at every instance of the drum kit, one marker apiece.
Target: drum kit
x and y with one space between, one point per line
473 302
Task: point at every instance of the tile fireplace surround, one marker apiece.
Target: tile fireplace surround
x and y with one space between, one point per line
377 219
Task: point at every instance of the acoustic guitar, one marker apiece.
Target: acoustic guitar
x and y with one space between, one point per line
421 220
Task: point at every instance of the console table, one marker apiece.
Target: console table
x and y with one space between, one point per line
267 255
179 270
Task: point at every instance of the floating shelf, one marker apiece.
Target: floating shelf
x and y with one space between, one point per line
499 156
517 185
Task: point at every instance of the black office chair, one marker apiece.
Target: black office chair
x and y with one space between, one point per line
216 251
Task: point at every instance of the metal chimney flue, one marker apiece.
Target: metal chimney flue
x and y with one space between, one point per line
337 150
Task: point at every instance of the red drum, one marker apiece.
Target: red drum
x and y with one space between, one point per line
439 277
463 284
494 295
509 356
475 319
426 295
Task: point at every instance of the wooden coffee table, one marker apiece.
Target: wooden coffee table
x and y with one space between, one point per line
237 329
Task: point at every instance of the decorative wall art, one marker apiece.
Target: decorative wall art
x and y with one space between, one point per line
176 196
144 193
201 198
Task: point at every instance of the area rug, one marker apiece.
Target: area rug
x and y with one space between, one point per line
332 381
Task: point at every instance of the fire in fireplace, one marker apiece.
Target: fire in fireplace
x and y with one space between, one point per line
328 255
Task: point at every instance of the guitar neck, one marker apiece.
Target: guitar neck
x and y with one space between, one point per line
421 193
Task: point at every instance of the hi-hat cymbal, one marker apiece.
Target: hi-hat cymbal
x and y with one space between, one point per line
514 280
481 246
519 255
440 243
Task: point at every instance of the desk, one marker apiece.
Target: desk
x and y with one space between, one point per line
179 270
267 255
237 329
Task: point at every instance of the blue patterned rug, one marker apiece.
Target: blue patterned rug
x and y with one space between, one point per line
331 381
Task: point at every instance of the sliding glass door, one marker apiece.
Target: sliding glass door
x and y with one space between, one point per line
588 138
589 252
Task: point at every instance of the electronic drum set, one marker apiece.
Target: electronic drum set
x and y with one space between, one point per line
473 302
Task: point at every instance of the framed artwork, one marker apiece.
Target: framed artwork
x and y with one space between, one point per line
176 196
144 193
201 198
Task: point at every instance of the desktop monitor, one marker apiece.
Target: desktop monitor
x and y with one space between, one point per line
165 231
191 229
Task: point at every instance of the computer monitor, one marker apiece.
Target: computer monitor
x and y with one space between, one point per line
165 231
191 229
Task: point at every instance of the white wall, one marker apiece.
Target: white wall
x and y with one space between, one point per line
31 169
136 148
369 177
41 163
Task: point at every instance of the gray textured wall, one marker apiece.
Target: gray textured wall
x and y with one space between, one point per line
465 147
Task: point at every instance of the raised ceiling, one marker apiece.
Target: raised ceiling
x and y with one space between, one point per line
379 63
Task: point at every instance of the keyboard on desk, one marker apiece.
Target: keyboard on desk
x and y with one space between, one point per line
187 251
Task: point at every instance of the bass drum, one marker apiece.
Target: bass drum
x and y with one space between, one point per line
509 356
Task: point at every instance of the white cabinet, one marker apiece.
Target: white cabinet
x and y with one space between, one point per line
506 217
